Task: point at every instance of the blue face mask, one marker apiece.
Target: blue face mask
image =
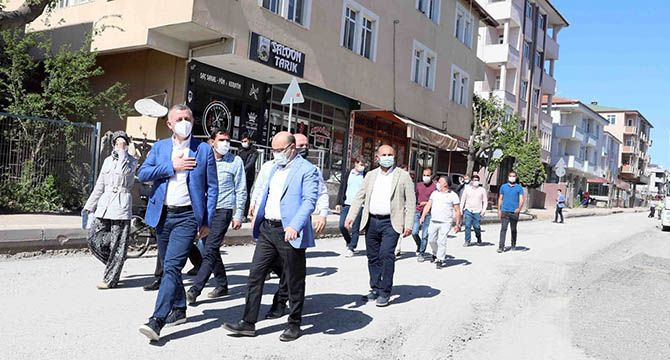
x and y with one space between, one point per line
386 161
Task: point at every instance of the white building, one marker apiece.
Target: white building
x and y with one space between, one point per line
520 55
658 180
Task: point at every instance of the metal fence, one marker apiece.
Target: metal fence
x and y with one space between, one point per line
32 149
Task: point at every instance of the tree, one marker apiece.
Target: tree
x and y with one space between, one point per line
26 13
529 166
509 138
488 117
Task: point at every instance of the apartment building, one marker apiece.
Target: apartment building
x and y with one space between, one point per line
520 56
578 140
659 178
372 71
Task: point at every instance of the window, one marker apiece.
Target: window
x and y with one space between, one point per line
423 66
582 153
629 141
538 59
294 10
464 25
585 123
529 10
359 30
524 90
630 122
430 8
497 85
68 3
460 86
526 50
501 39
536 97
540 21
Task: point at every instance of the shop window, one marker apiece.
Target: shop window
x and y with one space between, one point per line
359 30
297 11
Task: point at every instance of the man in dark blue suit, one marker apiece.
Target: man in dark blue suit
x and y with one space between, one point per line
282 228
181 208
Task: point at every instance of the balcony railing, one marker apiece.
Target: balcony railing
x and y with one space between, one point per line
548 84
569 132
550 48
591 140
500 53
507 97
508 9
630 130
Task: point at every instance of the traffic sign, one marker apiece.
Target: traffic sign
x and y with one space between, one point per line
293 95
559 168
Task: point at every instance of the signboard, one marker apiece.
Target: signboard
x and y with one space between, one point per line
293 94
279 56
559 168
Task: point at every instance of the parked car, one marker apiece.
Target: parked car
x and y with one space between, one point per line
665 215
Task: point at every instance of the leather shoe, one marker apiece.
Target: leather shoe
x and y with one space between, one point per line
218 292
371 296
291 333
242 328
276 312
155 285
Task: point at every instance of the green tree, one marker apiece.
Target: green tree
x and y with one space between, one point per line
529 166
489 116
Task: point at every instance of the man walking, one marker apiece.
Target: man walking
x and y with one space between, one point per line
282 228
248 154
560 204
388 195
474 202
652 208
349 186
229 207
181 208
423 191
510 202
444 207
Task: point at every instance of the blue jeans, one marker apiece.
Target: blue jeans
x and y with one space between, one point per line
474 220
380 242
421 242
174 236
350 239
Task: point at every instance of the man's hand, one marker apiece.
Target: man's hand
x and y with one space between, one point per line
423 218
204 230
253 221
290 234
251 211
180 163
338 208
236 225
499 214
320 224
407 232
483 213
423 203
517 211
348 224
457 228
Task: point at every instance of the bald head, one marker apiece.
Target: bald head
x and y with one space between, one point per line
300 141
282 140
385 150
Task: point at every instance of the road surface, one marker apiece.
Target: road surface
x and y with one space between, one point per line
593 288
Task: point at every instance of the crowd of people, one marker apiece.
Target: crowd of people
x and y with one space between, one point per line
201 190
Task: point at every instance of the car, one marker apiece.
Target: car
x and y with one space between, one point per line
665 215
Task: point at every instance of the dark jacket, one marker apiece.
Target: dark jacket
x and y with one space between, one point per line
249 157
342 192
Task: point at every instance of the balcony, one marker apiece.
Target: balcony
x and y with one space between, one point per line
569 132
550 48
508 9
628 150
603 152
507 97
572 162
629 170
630 130
591 140
589 169
548 84
493 54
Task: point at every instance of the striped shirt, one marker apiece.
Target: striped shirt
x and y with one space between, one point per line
232 185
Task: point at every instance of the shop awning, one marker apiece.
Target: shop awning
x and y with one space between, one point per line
428 135
597 181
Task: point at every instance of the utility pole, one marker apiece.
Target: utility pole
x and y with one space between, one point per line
395 25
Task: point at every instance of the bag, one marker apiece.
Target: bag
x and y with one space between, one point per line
86 220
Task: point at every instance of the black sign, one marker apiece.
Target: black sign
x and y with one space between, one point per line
276 55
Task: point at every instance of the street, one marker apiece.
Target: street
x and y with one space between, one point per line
593 288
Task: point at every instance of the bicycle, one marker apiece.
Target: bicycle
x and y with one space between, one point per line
141 235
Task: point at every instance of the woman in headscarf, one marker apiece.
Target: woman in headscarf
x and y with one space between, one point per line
111 202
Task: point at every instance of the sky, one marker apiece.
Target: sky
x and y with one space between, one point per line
617 53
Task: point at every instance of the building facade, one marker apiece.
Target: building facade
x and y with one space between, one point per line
658 180
520 56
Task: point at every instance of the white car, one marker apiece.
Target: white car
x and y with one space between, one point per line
665 215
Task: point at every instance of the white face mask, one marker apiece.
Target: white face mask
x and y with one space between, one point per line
426 179
360 168
511 179
386 161
222 147
245 144
467 181
475 183
437 186
183 128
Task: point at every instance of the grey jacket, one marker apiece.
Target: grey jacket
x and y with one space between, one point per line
111 197
403 200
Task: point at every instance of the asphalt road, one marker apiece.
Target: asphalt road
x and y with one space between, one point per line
593 288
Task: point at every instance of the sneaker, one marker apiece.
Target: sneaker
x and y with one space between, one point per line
438 264
466 244
218 292
349 253
382 301
420 258
103 286
479 240
175 317
242 328
372 295
500 250
191 297
152 329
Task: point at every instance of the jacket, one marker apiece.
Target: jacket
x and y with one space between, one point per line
403 200
249 157
111 198
202 181
297 203
344 183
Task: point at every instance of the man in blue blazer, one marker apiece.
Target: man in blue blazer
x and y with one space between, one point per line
282 228
181 208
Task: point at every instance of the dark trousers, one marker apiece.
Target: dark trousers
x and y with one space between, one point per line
508 218
270 246
652 211
380 242
559 212
350 239
250 182
174 234
281 296
212 262
194 257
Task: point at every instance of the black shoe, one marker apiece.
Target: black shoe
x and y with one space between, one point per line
382 301
479 240
513 248
175 317
242 328
292 332
438 264
372 295
276 311
155 285
433 258
152 329
191 297
500 251
218 292
194 271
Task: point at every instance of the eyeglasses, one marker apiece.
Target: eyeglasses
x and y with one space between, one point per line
276 151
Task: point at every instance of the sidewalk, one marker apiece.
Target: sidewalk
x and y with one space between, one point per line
548 214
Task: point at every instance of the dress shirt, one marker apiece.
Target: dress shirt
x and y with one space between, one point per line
474 199
275 192
323 201
232 185
260 183
177 189
380 199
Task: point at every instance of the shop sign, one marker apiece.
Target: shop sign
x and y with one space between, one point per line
225 82
321 136
276 55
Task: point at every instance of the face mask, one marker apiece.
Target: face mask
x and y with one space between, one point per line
120 154
183 128
386 161
303 152
511 179
426 179
245 144
467 181
475 183
437 186
281 158
222 147
360 169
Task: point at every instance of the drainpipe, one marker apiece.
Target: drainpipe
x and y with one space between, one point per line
395 25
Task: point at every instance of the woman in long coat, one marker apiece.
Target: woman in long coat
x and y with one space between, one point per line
111 202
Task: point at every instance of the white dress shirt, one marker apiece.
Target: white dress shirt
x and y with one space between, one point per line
323 201
275 192
177 189
380 199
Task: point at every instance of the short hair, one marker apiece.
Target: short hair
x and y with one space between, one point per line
512 172
291 139
560 190
475 176
245 136
429 169
360 160
447 180
218 131
180 107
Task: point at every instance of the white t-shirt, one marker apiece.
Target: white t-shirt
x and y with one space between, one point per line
442 208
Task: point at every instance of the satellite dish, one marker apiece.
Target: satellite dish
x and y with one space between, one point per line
150 107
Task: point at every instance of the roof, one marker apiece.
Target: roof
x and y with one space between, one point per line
559 101
557 13
606 109
483 14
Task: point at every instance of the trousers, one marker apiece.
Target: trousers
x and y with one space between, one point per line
211 262
380 242
511 219
439 232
